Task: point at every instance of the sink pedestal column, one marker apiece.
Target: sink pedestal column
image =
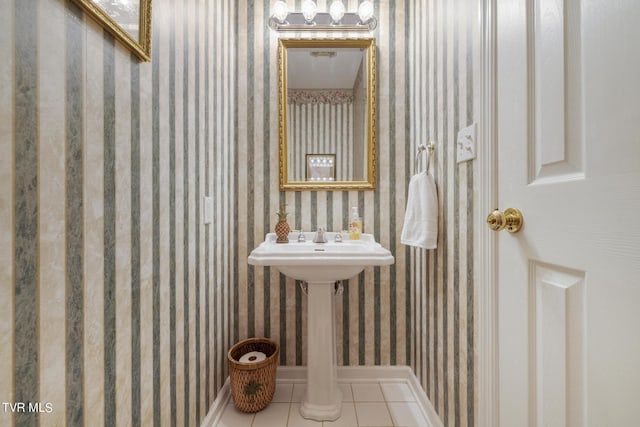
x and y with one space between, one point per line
323 399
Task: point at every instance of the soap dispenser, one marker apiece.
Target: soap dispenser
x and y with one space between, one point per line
355 226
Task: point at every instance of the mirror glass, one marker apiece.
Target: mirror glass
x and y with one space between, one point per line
326 113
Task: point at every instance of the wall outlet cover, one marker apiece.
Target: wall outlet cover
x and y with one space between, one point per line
466 143
207 206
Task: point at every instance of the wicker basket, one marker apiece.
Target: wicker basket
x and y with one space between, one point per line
253 384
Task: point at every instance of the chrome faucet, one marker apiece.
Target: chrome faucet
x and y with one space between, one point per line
301 237
320 237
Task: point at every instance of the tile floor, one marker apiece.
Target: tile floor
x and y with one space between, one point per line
365 404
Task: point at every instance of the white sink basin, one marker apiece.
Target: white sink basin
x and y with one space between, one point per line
321 265
320 262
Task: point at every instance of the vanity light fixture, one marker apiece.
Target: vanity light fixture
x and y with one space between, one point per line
337 10
309 11
365 11
310 19
280 11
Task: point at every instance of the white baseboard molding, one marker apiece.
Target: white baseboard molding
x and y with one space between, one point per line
423 400
217 408
345 374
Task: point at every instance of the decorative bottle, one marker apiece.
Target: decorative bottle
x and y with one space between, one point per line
282 227
355 225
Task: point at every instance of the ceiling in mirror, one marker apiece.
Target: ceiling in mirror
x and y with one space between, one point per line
327 113
322 68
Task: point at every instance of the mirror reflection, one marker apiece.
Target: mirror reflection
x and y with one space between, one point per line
326 105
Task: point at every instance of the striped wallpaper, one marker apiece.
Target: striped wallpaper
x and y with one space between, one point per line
442 308
418 311
114 296
268 303
117 304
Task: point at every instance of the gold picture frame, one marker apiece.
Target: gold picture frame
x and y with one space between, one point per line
128 21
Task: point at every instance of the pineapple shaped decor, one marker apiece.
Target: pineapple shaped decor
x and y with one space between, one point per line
282 228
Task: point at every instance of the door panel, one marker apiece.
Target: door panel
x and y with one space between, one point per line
569 159
555 123
556 345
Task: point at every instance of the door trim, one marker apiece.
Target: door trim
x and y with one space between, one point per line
486 250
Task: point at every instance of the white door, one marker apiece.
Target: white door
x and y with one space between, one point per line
569 160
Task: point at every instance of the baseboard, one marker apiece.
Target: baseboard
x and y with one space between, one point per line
423 399
345 374
217 408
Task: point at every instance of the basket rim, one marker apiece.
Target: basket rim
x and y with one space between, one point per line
251 366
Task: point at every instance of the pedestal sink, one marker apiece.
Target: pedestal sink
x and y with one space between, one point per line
321 265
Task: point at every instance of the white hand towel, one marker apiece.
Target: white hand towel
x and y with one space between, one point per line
421 217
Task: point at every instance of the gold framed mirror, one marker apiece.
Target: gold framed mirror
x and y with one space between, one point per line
327 107
127 20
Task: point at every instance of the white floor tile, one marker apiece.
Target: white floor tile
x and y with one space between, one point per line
373 414
299 389
407 414
367 392
296 420
365 404
397 392
234 418
274 415
347 394
347 418
283 392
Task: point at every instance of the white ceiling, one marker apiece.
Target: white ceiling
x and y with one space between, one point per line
309 72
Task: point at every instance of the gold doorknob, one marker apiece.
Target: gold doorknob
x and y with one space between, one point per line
511 219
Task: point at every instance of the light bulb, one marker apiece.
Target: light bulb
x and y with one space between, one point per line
309 10
336 10
280 10
365 11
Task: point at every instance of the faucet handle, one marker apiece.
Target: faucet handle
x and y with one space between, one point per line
301 236
338 236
